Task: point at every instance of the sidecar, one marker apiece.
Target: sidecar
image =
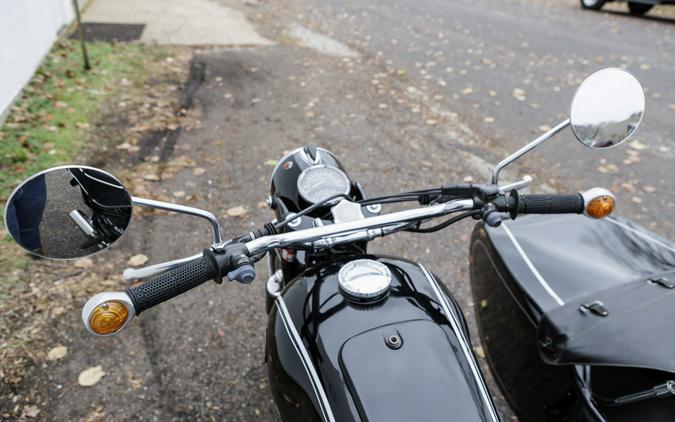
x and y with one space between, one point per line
575 316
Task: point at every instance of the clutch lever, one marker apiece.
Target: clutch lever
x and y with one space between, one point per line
521 184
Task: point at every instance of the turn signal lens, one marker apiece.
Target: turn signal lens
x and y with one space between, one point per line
600 206
108 317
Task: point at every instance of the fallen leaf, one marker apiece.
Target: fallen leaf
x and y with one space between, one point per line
608 168
90 376
57 353
544 128
467 91
30 411
261 204
637 145
137 260
179 194
151 177
237 212
489 119
649 188
58 310
271 163
84 263
198 171
636 199
431 122
479 352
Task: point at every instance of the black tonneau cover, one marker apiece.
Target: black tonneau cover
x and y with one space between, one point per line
638 331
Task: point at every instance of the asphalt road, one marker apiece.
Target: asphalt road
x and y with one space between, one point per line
429 100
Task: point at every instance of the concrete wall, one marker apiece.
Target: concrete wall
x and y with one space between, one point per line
28 28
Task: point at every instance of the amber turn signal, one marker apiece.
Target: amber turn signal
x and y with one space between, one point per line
107 313
108 317
599 202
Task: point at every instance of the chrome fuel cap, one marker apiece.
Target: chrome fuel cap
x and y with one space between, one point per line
364 280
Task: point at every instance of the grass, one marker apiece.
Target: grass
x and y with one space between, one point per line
51 122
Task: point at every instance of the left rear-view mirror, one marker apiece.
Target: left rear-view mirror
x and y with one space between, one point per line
68 212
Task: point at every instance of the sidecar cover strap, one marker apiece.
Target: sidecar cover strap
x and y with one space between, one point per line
638 329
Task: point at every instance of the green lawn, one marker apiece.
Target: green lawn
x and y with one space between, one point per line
50 123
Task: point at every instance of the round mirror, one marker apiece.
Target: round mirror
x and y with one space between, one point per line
607 108
68 212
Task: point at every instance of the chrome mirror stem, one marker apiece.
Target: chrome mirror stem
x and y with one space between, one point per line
167 206
527 148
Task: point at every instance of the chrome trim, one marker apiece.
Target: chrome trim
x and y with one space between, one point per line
464 342
183 209
304 173
374 208
82 223
326 411
256 246
274 283
131 274
639 233
532 268
527 148
99 298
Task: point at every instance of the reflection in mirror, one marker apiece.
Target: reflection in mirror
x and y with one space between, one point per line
607 108
68 212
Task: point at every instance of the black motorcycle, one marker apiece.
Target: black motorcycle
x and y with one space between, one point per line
570 307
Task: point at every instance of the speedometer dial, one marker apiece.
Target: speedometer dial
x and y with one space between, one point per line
320 182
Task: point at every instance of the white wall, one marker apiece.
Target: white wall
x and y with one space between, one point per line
28 28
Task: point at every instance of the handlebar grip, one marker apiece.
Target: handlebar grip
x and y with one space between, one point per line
551 204
172 283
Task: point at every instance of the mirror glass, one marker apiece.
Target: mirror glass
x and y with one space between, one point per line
607 108
68 212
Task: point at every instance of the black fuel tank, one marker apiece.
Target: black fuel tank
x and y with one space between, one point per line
331 359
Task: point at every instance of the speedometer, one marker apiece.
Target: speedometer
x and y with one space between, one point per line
320 182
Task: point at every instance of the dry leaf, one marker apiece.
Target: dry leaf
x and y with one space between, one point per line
30 411
636 199
637 145
151 177
649 188
489 119
261 204
57 353
467 91
90 376
198 171
608 168
479 352
137 260
237 212
84 263
179 194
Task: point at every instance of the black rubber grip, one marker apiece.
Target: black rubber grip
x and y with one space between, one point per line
172 283
551 204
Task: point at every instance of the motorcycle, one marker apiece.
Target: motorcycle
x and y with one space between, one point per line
356 336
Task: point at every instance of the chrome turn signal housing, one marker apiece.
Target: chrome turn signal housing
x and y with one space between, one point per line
107 313
598 202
